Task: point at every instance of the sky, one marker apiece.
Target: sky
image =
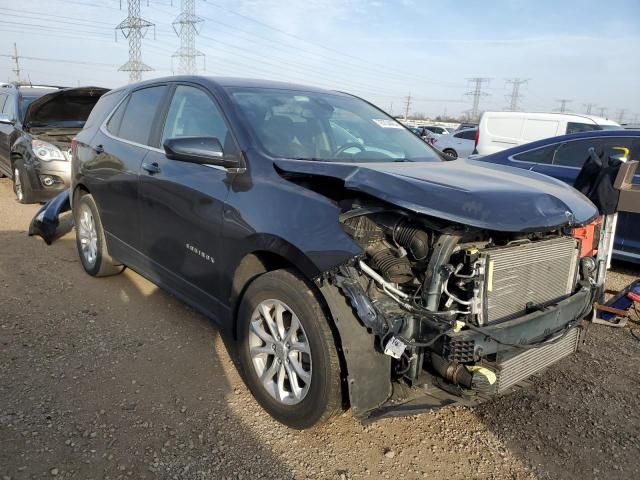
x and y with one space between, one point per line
586 51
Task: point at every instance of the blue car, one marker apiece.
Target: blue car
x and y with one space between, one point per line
562 158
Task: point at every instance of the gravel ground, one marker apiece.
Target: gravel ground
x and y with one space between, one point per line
113 378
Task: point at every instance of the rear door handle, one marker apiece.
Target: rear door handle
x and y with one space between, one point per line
152 167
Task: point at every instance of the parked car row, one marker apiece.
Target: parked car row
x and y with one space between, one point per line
37 124
350 263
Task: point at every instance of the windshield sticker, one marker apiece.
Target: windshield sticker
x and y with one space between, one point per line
386 123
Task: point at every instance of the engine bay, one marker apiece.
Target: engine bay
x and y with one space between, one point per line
423 289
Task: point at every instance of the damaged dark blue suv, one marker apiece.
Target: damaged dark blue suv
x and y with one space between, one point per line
352 265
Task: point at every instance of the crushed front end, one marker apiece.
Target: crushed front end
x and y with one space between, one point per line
461 313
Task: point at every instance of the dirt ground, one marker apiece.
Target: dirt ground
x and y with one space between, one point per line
113 378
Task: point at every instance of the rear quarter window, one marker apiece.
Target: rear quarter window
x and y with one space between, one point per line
542 155
104 106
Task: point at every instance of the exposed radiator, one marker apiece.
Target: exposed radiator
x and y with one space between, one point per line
515 369
536 272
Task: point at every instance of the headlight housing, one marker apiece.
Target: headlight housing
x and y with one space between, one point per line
46 151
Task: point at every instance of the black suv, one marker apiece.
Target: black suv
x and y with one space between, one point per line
350 263
37 124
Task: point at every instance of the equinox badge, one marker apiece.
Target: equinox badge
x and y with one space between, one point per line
199 252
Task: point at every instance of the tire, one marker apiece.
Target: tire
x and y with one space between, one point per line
451 153
90 239
21 185
314 401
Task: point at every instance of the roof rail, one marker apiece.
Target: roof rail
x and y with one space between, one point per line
28 85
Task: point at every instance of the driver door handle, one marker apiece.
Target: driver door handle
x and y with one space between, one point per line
152 167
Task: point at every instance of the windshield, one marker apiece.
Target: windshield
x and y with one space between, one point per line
327 127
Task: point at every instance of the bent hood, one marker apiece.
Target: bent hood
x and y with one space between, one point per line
66 107
478 194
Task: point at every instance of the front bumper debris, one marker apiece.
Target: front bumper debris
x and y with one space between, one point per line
46 222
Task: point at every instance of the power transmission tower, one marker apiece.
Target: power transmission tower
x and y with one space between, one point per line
621 112
602 112
563 104
515 92
406 107
186 27
635 118
16 59
134 29
476 94
588 107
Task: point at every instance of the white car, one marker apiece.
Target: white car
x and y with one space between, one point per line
437 130
501 130
458 144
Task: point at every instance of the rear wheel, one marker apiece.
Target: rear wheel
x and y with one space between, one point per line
287 350
21 186
450 152
90 240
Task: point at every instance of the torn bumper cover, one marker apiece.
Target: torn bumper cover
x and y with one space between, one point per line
46 222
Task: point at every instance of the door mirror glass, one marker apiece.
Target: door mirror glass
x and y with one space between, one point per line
6 119
203 150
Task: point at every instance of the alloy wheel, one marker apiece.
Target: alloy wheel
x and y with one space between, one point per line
280 352
88 235
17 184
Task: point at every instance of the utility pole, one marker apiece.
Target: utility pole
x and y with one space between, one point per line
515 92
186 27
476 94
16 59
588 107
563 104
406 106
134 29
621 112
603 112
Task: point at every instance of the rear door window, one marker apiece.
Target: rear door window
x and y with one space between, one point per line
576 153
134 121
575 127
466 135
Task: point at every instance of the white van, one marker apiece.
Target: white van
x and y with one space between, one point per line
501 130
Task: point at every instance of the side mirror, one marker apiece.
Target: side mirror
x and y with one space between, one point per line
203 150
6 119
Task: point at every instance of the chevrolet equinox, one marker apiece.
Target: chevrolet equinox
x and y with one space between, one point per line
352 266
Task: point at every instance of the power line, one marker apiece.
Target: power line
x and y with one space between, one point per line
406 106
476 93
16 59
515 92
621 112
186 27
134 28
563 104
588 107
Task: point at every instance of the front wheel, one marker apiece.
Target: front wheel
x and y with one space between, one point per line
287 350
21 186
90 240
